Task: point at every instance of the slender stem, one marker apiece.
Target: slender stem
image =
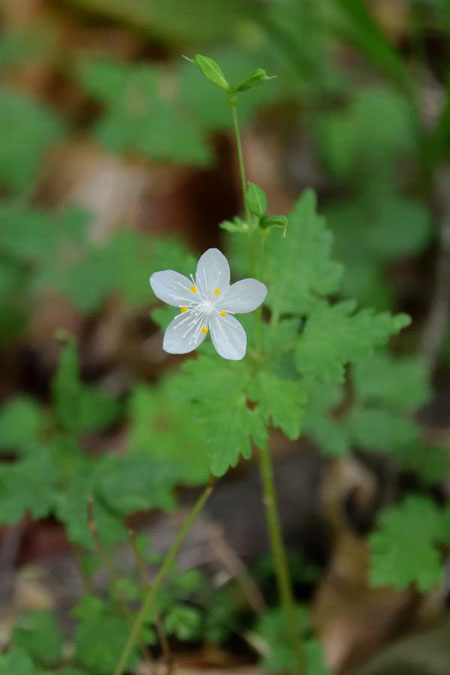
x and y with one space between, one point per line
248 216
237 135
165 568
280 560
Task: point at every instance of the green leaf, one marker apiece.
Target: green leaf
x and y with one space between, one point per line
212 71
381 430
27 485
21 422
39 634
276 222
400 382
98 410
158 419
280 401
217 392
350 150
72 509
256 199
337 335
254 78
404 548
136 483
139 117
300 268
79 408
330 434
28 129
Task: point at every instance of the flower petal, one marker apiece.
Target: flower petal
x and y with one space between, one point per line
172 287
183 334
243 296
228 337
213 272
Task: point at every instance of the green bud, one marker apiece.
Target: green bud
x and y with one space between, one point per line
253 79
235 225
279 222
256 200
212 71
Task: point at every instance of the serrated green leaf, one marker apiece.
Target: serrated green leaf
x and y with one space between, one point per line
337 335
300 268
217 392
280 401
28 129
404 548
39 634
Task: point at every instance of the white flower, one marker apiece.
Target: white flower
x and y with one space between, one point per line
207 303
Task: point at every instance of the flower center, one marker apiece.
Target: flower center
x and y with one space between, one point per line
206 307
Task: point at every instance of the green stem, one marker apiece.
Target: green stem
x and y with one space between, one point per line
248 216
165 568
280 560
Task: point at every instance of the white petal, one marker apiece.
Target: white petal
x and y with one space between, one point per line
228 337
183 334
172 287
243 296
213 271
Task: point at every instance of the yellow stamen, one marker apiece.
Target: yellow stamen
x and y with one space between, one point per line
183 309
223 313
216 292
194 289
203 330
